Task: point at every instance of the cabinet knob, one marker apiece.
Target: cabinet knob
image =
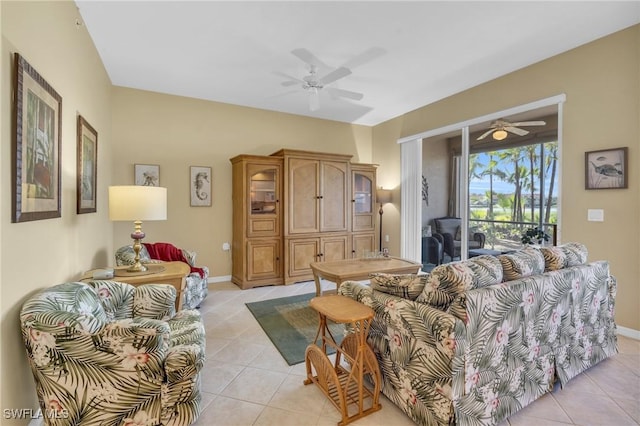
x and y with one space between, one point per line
353 201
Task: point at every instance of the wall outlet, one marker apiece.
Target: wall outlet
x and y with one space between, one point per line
226 246
386 238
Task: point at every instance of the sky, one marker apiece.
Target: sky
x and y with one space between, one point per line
481 185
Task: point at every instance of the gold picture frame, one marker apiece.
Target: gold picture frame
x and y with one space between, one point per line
87 167
36 148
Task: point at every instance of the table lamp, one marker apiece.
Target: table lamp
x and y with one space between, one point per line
137 203
383 197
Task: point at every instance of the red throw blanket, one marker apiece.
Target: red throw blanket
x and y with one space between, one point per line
169 253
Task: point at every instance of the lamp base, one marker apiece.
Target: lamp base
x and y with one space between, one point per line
139 267
137 236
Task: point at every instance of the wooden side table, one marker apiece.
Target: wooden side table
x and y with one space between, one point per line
172 273
344 387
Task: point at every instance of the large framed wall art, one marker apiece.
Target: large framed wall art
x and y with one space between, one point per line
87 167
37 111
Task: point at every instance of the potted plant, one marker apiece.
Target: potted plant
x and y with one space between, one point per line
534 235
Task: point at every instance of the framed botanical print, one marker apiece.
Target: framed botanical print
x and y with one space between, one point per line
200 178
147 174
606 169
37 109
87 167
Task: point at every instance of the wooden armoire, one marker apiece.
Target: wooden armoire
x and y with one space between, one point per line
296 207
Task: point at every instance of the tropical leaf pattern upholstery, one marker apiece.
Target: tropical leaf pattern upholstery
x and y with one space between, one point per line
107 353
474 349
197 287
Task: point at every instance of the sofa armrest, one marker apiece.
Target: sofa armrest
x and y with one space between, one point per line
479 237
186 354
413 320
121 348
447 238
414 344
155 301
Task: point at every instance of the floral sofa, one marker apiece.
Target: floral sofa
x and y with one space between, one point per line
197 282
475 341
107 353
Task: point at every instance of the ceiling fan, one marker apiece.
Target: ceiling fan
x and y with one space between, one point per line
313 83
500 127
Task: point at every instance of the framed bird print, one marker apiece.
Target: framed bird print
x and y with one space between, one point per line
606 169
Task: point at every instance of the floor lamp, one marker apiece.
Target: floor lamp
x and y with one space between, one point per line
383 197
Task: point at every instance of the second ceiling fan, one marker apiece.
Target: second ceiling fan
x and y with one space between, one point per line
500 127
313 83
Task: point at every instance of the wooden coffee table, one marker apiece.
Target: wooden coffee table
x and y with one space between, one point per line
359 269
172 273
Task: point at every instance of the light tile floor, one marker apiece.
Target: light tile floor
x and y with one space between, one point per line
246 382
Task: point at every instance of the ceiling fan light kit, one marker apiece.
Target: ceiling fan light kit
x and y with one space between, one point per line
500 129
500 134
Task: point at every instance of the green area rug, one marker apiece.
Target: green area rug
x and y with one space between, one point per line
291 324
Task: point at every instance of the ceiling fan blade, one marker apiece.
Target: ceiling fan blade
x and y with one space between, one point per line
305 56
529 123
334 75
515 130
293 80
485 134
345 93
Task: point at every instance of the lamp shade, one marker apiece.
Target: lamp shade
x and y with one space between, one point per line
383 196
136 202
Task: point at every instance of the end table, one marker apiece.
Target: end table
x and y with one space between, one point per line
344 387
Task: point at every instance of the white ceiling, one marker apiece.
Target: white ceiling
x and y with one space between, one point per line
403 55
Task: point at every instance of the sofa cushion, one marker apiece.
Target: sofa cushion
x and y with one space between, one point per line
576 254
564 256
522 263
448 226
554 258
446 282
407 286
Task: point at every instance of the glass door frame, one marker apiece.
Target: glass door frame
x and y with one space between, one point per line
410 225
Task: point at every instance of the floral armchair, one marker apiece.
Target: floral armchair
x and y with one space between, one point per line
196 283
107 353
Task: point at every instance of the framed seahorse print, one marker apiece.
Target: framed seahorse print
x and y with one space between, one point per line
200 182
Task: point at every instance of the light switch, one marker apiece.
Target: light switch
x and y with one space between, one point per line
595 215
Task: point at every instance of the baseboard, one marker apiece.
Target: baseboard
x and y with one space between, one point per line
629 332
220 279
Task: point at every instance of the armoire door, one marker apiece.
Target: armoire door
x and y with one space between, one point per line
303 196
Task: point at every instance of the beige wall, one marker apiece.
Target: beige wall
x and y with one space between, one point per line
176 132
435 167
42 253
602 84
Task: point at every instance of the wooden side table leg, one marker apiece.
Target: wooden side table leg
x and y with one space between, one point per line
316 278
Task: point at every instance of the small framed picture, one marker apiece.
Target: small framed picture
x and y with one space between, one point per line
606 169
87 167
200 182
147 174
